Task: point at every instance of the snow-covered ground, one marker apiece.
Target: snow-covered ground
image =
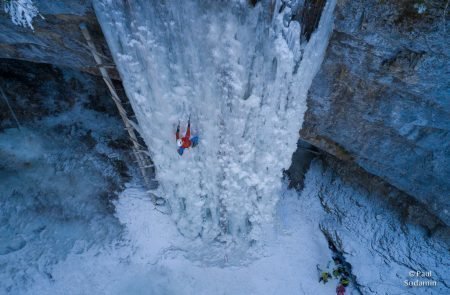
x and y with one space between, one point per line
50 204
156 259
152 257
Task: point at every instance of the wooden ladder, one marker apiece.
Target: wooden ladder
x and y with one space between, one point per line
140 152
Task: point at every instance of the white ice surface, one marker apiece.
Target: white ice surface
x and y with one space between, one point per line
243 76
155 259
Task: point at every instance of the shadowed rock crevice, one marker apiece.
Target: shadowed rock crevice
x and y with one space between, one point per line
310 16
301 160
307 14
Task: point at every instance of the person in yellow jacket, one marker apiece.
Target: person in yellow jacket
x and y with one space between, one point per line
324 277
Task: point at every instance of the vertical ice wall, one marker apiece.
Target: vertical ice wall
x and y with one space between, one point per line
242 75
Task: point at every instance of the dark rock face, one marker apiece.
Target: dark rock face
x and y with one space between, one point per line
36 91
301 160
310 18
382 97
56 40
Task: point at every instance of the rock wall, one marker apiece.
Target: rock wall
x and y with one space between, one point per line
382 97
57 39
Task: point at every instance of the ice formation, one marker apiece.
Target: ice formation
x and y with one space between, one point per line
22 12
242 74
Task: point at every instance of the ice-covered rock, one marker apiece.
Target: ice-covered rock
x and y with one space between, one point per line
59 172
242 74
57 39
385 251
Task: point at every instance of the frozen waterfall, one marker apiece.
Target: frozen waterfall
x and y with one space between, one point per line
242 74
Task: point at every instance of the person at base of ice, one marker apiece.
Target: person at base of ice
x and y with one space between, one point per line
344 281
187 141
339 271
324 277
340 290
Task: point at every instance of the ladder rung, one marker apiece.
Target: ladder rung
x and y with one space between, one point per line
130 126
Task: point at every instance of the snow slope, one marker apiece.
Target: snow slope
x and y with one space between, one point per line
153 258
242 75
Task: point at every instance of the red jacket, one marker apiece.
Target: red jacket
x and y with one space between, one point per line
186 141
340 290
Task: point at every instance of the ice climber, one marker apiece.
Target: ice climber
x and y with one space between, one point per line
345 281
187 141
